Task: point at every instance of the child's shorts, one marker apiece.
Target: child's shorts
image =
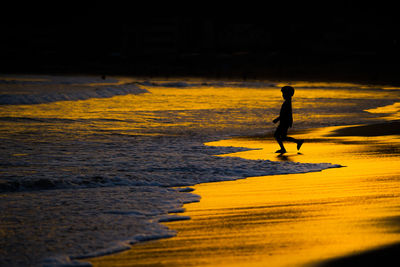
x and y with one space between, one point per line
281 131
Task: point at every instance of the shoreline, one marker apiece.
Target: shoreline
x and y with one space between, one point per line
222 201
266 75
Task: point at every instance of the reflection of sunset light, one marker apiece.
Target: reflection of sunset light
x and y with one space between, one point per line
231 106
287 220
393 111
280 219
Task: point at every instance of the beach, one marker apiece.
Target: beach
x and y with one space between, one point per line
334 217
96 166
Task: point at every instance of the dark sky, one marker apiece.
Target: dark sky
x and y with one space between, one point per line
114 39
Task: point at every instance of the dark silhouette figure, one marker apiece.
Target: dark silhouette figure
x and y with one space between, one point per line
285 121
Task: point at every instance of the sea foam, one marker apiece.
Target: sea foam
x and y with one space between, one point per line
25 91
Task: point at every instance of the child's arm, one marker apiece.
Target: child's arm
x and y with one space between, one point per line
279 117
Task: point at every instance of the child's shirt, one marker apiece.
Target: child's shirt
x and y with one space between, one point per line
285 116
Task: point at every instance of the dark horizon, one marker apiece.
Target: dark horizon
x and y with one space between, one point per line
332 45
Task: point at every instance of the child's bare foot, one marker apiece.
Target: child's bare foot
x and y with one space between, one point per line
281 151
299 144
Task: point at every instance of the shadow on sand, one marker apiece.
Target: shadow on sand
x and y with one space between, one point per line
385 256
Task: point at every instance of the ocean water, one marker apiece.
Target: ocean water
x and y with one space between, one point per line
90 166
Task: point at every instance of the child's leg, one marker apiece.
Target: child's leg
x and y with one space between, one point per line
291 139
282 150
294 140
280 135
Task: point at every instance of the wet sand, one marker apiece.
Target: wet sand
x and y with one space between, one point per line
295 219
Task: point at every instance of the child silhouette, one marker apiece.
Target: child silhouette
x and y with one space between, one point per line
285 121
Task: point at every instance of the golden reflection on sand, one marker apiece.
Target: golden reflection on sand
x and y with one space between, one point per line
393 111
287 220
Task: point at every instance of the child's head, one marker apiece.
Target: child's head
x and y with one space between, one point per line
287 92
